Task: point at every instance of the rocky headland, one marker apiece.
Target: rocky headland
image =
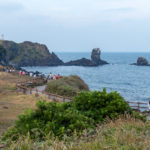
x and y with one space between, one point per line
141 61
29 54
94 61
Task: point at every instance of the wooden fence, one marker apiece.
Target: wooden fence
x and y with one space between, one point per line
21 88
2 146
139 106
54 97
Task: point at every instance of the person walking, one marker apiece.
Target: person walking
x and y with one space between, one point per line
54 77
149 106
50 76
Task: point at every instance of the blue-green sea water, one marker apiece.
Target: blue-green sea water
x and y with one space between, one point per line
132 82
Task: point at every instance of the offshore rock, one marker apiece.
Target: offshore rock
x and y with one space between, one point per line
141 61
95 60
95 56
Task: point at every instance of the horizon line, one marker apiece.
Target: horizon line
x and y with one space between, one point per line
101 52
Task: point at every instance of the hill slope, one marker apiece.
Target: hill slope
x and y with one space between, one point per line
29 54
67 86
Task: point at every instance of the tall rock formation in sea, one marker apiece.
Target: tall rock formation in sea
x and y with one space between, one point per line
95 57
95 60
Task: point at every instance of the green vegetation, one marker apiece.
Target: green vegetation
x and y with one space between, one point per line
2 54
100 105
88 109
125 133
67 86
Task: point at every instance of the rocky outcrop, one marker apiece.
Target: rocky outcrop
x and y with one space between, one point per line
141 61
29 54
80 62
95 60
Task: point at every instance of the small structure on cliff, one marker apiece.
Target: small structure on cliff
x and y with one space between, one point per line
141 61
95 60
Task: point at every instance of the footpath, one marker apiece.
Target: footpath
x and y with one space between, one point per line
41 91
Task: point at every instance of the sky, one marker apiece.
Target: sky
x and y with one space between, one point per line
78 25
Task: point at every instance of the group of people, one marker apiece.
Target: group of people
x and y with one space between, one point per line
36 74
22 72
53 77
9 70
31 74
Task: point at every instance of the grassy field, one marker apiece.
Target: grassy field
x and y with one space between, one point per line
11 103
123 134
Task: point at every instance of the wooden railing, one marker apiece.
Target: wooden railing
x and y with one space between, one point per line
138 105
2 146
20 87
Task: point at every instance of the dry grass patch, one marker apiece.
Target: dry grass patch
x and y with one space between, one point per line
11 103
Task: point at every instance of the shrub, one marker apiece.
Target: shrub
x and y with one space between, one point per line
55 118
88 109
99 105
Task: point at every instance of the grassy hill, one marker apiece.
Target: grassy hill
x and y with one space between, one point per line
67 86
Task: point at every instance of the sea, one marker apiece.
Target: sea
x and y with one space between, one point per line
132 82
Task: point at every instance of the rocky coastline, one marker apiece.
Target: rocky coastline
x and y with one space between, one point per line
35 54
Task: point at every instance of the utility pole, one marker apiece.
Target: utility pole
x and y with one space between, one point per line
2 36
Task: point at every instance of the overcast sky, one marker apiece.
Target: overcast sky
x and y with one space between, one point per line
78 25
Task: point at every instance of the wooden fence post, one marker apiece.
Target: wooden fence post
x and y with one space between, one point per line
54 99
30 90
138 106
63 99
48 96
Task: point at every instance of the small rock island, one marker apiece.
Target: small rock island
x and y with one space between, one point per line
95 60
141 61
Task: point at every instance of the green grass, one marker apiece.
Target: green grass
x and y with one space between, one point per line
125 133
67 86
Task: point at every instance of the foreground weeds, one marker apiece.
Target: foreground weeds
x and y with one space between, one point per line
124 133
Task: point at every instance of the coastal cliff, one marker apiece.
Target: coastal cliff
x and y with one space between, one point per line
29 54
